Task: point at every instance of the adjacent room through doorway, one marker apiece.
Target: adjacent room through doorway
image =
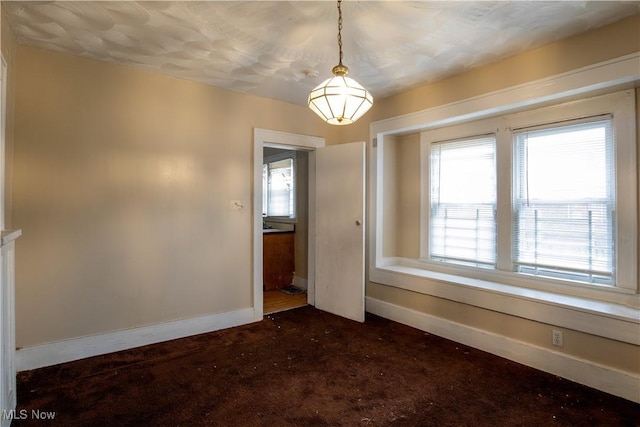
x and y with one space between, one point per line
285 190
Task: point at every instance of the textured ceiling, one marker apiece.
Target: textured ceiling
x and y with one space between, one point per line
283 49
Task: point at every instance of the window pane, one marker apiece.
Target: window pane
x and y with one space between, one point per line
280 189
564 201
463 201
265 189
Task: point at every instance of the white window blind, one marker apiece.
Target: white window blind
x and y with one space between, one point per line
278 188
463 201
564 199
265 189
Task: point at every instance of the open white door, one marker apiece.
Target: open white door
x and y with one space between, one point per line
340 228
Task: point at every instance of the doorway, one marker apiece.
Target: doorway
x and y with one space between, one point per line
285 195
336 222
272 143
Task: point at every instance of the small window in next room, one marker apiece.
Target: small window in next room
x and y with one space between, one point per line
278 188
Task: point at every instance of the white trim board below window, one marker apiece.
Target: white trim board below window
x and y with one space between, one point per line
605 319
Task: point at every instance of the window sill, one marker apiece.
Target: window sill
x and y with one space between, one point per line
618 320
280 219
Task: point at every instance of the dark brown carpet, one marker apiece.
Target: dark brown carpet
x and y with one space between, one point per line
308 368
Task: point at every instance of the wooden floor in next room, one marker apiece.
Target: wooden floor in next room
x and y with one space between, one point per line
277 300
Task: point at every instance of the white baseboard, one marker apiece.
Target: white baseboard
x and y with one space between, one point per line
79 348
604 378
300 282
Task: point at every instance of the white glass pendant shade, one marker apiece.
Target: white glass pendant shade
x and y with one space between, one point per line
340 100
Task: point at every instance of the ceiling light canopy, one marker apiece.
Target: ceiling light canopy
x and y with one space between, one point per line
340 100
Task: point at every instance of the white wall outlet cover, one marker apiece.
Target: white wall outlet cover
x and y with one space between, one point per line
556 338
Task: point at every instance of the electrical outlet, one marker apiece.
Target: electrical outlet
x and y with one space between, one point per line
556 338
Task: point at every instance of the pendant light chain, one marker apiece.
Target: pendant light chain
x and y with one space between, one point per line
340 100
340 30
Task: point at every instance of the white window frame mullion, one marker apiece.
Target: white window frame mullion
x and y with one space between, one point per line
504 214
425 195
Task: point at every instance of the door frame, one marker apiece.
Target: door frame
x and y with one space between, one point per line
269 138
3 132
340 230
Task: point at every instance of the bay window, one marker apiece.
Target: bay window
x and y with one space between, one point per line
547 194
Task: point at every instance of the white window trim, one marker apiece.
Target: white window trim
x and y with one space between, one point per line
613 312
279 156
290 154
427 138
622 106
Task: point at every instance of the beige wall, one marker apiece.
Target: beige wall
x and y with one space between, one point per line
8 52
122 185
401 210
389 208
408 190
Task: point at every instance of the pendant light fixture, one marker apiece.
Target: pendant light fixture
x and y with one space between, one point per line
340 100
